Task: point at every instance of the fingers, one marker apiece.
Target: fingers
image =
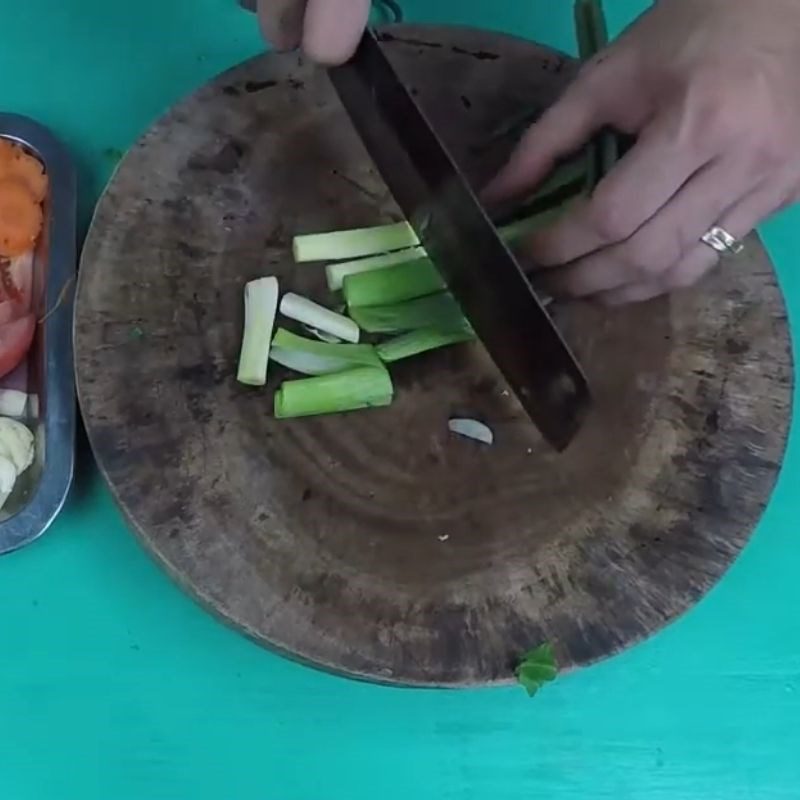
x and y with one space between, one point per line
561 130
740 220
333 29
281 22
328 30
660 243
643 182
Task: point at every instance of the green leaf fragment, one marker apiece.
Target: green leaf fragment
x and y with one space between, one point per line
421 341
536 668
337 271
353 389
435 310
340 245
313 357
394 284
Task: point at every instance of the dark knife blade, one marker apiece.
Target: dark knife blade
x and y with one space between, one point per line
462 242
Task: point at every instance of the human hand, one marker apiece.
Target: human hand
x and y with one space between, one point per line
327 30
712 90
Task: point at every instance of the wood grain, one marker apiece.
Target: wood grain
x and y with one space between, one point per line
376 544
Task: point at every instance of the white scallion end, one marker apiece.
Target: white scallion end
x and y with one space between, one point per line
260 308
321 335
312 314
471 429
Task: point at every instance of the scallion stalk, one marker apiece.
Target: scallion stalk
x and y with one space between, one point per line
337 271
363 387
260 306
341 245
394 284
421 341
435 310
306 311
312 357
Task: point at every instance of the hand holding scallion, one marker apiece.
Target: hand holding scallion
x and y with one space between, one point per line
711 90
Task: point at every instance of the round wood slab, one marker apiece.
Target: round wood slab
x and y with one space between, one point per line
377 544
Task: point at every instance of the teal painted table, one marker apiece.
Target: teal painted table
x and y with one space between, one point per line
114 685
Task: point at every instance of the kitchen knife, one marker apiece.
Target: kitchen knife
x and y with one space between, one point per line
462 242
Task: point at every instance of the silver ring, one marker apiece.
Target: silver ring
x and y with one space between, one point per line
720 240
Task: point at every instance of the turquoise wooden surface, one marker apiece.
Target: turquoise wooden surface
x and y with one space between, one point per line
114 685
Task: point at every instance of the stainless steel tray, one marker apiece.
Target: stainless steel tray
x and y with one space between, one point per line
41 491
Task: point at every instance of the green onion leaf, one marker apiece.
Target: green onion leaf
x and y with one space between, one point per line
395 284
536 668
260 307
341 245
337 271
313 357
435 310
362 387
420 341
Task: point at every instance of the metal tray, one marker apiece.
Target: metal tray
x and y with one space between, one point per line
42 489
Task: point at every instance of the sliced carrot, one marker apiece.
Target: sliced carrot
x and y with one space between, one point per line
7 150
15 162
20 217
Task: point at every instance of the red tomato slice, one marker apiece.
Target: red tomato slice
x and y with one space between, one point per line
16 284
15 341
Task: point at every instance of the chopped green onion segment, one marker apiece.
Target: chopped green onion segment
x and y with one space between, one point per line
395 284
316 316
362 387
435 310
421 341
260 306
319 358
337 271
528 225
341 245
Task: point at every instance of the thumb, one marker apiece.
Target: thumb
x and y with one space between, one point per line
564 128
333 29
282 22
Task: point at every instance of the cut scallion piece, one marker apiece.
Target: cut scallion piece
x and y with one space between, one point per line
260 306
525 227
312 357
421 341
341 245
316 316
395 284
436 310
363 387
337 271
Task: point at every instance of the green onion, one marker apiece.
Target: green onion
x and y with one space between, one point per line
363 387
435 310
260 306
396 284
341 245
525 227
590 27
592 34
420 341
316 316
337 271
312 357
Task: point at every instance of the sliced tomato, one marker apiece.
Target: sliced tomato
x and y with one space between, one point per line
16 284
15 341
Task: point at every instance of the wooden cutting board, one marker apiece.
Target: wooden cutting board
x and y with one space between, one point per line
376 544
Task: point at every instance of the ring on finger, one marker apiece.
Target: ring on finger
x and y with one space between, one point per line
717 238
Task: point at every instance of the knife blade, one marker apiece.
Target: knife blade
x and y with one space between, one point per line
459 237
